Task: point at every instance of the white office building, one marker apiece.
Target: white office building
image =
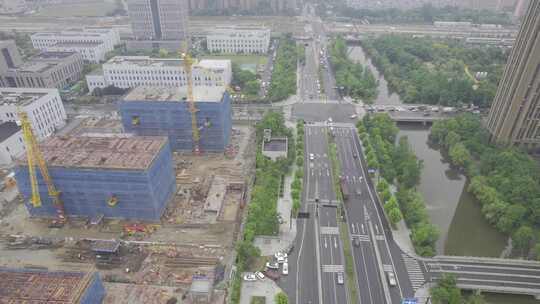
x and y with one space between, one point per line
247 40
134 71
92 43
44 108
11 143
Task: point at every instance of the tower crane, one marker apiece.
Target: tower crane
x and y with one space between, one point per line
188 66
35 158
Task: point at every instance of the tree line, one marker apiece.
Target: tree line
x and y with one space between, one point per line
398 165
429 71
283 82
355 80
262 216
505 180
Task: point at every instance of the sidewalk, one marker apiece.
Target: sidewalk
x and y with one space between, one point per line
287 230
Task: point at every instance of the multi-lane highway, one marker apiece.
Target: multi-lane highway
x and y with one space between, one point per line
376 254
320 252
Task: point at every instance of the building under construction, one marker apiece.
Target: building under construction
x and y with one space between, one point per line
111 176
38 286
150 111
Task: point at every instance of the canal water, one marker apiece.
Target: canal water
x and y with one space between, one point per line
457 214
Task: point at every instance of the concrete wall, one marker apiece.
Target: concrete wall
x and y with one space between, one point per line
142 195
172 119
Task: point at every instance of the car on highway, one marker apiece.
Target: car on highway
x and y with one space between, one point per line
272 265
311 156
391 278
259 275
355 155
356 241
285 269
340 278
250 277
353 116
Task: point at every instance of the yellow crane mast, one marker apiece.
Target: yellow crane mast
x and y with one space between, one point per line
35 157
188 66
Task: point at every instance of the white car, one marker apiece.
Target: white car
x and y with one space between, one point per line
353 116
391 278
340 278
285 269
250 277
281 257
272 265
259 275
311 156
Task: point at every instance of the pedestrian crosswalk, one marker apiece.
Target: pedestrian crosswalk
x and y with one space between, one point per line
329 230
361 237
388 268
414 271
332 268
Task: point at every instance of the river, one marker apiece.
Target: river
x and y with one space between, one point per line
457 214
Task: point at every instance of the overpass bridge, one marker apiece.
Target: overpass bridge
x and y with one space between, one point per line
486 274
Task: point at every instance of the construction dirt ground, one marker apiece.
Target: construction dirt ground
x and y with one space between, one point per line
146 262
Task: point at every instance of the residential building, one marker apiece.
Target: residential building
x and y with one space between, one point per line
109 37
45 70
159 19
134 71
113 176
43 107
11 142
238 39
514 117
156 111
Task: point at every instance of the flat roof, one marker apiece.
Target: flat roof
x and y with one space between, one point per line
147 61
174 94
37 286
275 144
77 44
22 96
113 151
7 129
44 61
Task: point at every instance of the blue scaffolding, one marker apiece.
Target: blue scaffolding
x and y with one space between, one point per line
173 119
140 194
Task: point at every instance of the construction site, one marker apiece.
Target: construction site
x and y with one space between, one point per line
154 223
147 249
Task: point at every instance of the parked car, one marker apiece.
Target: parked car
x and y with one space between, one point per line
281 257
272 265
285 269
259 275
250 277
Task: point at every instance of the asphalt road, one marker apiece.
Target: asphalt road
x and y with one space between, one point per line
319 250
365 221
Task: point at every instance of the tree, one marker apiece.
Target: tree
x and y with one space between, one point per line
476 298
537 251
252 87
382 185
522 238
394 215
511 218
281 298
459 155
446 291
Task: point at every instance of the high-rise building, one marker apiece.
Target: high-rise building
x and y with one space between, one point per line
159 19
10 57
514 117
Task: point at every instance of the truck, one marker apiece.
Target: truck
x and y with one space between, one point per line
344 189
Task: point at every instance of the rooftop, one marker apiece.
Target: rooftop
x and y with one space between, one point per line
90 32
7 129
174 94
44 61
275 144
76 44
22 96
32 286
147 61
121 151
